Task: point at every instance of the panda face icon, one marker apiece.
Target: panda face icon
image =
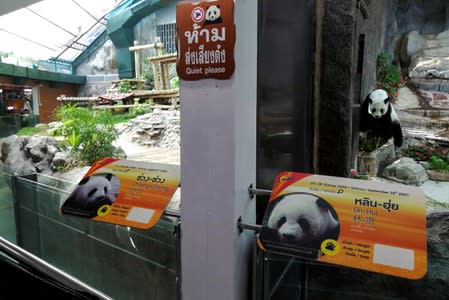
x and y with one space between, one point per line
213 15
94 192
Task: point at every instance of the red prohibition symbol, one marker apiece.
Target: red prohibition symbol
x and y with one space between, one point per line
197 14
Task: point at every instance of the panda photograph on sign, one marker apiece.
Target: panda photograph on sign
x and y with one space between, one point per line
92 193
298 223
379 119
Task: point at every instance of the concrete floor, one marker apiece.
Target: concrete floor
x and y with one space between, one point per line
436 190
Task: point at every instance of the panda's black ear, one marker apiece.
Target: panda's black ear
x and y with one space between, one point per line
387 100
109 176
84 180
370 100
218 6
322 204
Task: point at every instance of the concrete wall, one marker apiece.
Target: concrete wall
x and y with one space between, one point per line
167 14
146 30
97 85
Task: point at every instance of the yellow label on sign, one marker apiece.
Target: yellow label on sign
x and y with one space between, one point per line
128 193
374 226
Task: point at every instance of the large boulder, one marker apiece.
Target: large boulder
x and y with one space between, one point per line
26 155
407 171
13 155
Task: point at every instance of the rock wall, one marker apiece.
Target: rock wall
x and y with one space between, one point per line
156 129
427 18
102 62
100 69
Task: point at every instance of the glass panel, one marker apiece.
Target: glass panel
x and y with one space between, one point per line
53 27
9 125
291 278
7 220
70 54
121 262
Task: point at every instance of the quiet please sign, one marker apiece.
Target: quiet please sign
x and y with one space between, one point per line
206 37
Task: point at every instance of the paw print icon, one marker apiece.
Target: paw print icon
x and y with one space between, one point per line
330 247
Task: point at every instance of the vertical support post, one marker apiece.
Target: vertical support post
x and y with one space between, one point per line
137 59
157 85
218 159
163 75
159 46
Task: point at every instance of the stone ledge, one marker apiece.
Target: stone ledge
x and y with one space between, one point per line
438 175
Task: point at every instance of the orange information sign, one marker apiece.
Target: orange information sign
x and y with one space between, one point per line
374 226
124 192
206 38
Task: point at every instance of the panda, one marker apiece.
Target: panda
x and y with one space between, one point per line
213 15
304 220
92 193
379 118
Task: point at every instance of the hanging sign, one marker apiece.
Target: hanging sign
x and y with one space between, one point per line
124 192
206 38
368 225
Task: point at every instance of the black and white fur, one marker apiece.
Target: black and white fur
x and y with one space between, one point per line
93 192
213 15
304 220
379 118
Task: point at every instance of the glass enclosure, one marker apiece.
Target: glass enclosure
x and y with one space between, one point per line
121 262
284 277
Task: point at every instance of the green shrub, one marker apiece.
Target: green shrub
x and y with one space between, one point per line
422 153
388 75
174 82
125 86
436 156
135 112
89 133
439 163
28 131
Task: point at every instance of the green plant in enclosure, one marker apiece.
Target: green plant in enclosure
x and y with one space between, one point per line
439 163
174 82
423 152
388 75
147 74
29 130
124 87
90 134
